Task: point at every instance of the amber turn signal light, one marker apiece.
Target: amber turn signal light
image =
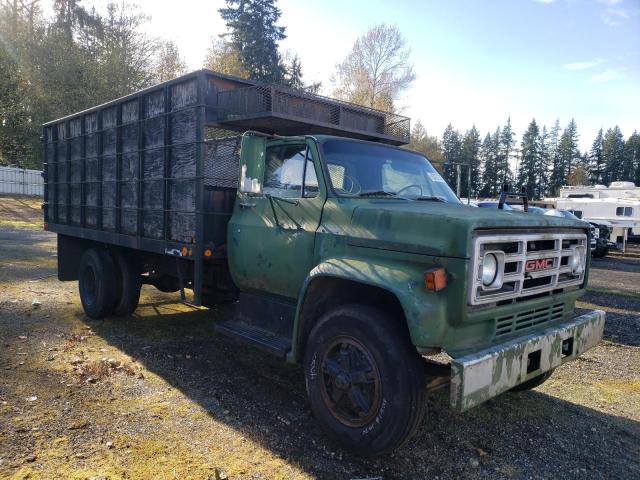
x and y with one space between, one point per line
435 279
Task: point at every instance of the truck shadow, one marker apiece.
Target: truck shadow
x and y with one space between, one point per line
525 435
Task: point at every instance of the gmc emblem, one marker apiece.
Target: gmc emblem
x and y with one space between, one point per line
541 264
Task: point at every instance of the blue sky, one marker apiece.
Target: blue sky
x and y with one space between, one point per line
476 62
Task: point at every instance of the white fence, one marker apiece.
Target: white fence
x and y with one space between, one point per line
21 181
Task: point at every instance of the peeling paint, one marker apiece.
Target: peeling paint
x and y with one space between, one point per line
480 376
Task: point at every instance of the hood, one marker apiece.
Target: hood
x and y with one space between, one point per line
438 229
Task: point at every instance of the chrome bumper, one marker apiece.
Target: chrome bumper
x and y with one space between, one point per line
477 377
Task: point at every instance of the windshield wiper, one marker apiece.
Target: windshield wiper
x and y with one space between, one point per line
431 199
375 193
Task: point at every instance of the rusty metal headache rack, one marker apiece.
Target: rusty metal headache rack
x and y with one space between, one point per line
157 170
281 110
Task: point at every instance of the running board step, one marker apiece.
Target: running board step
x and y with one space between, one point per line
255 336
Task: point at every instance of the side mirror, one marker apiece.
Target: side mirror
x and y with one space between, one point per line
252 163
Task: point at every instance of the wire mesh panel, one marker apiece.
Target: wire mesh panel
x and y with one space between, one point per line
278 109
109 167
49 169
153 166
222 163
75 170
92 183
129 168
182 161
61 173
221 170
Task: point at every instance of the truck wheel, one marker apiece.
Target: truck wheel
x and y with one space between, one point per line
365 381
129 283
97 283
533 383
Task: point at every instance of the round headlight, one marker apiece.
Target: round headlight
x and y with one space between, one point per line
576 261
489 269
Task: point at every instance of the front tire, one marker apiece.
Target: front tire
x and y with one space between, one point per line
97 283
365 381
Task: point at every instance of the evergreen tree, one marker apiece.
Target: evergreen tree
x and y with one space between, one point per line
294 73
452 151
596 160
566 157
488 157
528 173
613 155
471 156
632 151
568 148
544 164
293 77
557 173
506 151
631 157
254 33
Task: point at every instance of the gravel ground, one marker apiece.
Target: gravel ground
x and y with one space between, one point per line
160 395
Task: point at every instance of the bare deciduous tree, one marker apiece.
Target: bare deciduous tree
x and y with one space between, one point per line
377 69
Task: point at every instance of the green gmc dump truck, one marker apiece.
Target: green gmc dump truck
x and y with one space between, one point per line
337 248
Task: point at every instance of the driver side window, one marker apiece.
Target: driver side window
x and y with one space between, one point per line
285 167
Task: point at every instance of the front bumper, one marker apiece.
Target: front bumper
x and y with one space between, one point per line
477 377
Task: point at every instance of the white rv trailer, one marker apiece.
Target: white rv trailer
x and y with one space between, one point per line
615 190
618 204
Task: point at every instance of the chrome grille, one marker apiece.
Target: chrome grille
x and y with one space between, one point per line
513 323
518 249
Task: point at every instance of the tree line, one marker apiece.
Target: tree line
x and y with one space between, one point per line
80 57
544 160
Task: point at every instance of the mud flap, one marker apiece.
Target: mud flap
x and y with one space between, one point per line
477 377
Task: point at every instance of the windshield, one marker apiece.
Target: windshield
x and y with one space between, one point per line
359 169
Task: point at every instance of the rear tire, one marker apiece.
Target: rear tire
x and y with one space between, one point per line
97 283
365 381
533 383
128 287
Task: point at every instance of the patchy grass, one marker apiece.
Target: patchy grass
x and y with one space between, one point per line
21 213
158 395
615 291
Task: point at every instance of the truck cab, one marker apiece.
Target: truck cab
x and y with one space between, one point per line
358 260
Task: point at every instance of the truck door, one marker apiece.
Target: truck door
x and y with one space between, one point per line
276 215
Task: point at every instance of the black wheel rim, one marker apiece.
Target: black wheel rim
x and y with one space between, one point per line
88 286
351 386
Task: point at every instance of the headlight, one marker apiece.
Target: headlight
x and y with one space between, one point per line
577 260
492 269
489 269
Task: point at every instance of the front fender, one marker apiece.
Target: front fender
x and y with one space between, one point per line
425 311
